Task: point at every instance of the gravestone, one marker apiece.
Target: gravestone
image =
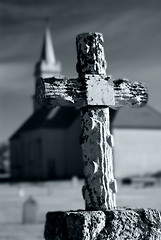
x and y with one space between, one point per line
30 211
74 181
94 92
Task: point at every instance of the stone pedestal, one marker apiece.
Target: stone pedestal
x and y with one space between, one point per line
118 224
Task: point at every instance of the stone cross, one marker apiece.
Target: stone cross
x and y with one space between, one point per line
94 92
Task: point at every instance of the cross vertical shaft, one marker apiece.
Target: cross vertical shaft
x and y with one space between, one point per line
96 141
98 191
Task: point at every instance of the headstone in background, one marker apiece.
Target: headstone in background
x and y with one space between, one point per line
30 211
75 181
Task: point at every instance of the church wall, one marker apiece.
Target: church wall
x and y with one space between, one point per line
15 158
27 157
34 166
136 151
54 154
47 154
74 163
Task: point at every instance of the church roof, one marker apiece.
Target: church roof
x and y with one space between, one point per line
145 118
47 53
63 117
58 117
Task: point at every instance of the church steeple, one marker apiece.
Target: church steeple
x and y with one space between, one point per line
47 66
47 53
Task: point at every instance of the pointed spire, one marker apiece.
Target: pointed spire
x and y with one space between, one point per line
47 53
47 66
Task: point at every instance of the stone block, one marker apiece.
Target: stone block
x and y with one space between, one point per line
99 90
118 224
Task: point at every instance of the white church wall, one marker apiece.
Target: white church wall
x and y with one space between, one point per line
136 151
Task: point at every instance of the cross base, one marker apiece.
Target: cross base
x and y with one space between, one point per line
98 225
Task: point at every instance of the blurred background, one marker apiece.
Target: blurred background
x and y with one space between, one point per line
40 156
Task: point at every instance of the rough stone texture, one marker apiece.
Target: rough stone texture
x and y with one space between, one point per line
132 94
97 92
93 90
61 91
90 54
118 224
96 141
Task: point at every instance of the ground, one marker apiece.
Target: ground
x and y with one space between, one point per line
61 195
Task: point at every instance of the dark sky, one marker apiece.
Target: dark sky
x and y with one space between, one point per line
132 34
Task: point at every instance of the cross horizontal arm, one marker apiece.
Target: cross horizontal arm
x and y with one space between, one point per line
92 90
133 94
60 91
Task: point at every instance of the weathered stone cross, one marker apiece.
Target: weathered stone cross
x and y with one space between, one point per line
94 92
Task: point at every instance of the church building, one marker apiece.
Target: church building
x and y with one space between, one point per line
47 145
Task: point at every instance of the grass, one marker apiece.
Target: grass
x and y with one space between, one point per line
21 232
54 196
